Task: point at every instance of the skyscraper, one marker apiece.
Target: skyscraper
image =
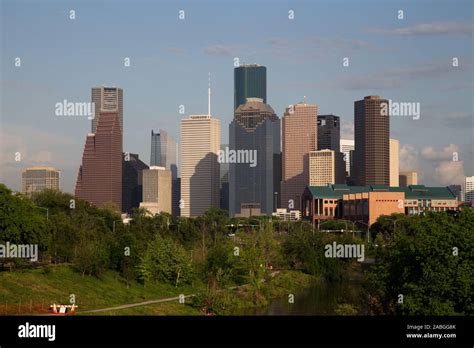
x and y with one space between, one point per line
372 149
163 152
255 131
326 167
329 133
38 178
469 188
99 179
132 181
394 162
250 81
107 100
200 143
299 134
224 182
156 190
347 145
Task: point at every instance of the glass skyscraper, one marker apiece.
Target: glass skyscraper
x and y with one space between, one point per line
250 81
163 152
252 186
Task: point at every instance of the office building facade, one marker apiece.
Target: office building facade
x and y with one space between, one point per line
39 178
250 81
107 100
371 165
157 194
299 134
255 131
394 162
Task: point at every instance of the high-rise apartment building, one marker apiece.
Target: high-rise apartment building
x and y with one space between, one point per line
107 100
347 145
394 162
157 190
406 179
255 172
329 133
39 178
372 148
299 134
250 81
326 167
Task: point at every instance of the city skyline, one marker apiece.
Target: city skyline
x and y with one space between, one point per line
314 69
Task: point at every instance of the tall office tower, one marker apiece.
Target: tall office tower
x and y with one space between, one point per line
457 191
254 136
200 144
407 178
347 145
107 100
299 134
38 178
394 162
469 188
250 81
132 181
372 149
224 181
329 133
326 167
157 190
163 152
99 180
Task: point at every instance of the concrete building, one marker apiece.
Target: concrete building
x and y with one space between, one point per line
107 100
250 81
372 149
326 167
394 162
254 131
347 148
366 203
200 144
132 181
298 140
329 133
157 190
469 188
285 215
407 178
163 153
39 178
99 180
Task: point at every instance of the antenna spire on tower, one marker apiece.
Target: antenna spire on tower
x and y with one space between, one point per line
209 97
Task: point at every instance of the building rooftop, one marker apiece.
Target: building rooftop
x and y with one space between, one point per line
411 192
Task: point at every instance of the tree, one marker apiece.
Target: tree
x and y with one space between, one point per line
426 270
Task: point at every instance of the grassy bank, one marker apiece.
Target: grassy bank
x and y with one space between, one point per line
32 291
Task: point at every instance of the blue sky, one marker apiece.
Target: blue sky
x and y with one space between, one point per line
405 60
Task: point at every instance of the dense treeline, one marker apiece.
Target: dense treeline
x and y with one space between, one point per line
413 255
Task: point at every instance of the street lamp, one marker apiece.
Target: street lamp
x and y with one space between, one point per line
47 212
368 235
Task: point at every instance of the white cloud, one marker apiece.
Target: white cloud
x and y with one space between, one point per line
435 28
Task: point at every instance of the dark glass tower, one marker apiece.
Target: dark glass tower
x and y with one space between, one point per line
329 133
255 127
250 81
132 183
